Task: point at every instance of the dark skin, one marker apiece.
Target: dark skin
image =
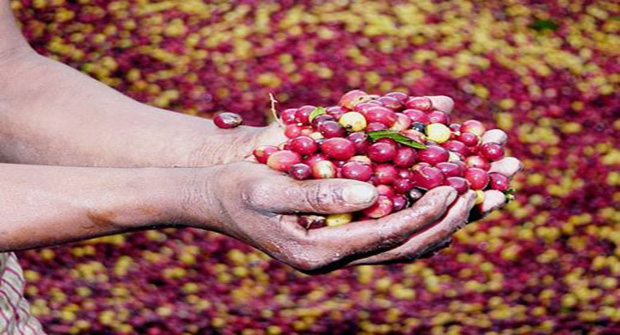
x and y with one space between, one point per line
85 161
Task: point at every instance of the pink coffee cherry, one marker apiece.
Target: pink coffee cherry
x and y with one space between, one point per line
227 120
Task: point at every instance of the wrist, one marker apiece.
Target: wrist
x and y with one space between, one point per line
193 202
159 198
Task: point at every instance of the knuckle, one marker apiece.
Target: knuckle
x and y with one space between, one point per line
253 194
320 197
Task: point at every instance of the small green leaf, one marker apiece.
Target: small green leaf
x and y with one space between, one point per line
540 25
615 18
402 139
316 112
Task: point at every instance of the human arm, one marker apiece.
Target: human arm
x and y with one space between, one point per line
44 205
54 115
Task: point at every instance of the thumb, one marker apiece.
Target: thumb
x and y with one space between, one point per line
326 196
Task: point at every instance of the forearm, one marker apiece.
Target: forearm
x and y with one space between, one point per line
54 115
42 205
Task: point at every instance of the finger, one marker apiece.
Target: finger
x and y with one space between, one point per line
433 252
494 136
431 238
442 103
508 166
493 199
369 237
326 196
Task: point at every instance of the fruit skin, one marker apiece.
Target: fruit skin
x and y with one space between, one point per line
405 157
283 160
303 113
353 121
438 132
313 159
385 173
399 202
457 147
352 98
456 128
361 142
438 117
458 183
316 122
292 130
433 155
381 152
405 173
335 111
300 171
363 107
479 197
227 120
391 103
381 208
316 136
335 220
303 145
419 126
415 194
492 151
477 162
382 115
385 190
360 159
263 152
499 182
478 179
402 122
416 116
324 170
375 126
414 135
312 221
473 126
421 103
331 129
356 171
403 185
288 116
338 148
402 97
451 169
469 139
428 177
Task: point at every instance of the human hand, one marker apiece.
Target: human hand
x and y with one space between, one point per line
258 205
254 137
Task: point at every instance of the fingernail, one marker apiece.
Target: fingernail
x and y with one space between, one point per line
359 194
450 197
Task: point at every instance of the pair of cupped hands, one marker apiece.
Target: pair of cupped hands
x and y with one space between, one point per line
261 206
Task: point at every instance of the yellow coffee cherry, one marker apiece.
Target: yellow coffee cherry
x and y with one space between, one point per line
335 220
438 132
316 135
353 121
479 197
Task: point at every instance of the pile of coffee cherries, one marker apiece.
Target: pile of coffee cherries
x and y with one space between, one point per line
400 144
